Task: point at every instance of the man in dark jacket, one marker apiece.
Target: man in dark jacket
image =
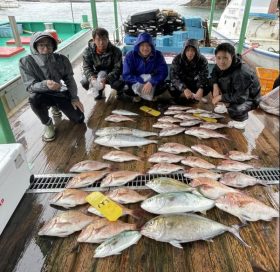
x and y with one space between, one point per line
102 57
144 70
189 73
48 77
235 84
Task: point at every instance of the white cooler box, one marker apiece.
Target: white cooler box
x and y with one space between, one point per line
14 180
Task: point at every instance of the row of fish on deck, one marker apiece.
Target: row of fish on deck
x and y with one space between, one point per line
175 201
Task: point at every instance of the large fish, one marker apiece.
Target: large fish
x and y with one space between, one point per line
124 112
125 196
184 227
193 161
118 141
69 198
171 131
176 202
119 178
196 172
240 180
124 130
211 188
246 208
93 234
204 133
166 185
229 165
159 157
240 156
165 168
213 125
88 165
174 148
120 156
65 224
86 179
207 151
116 244
116 118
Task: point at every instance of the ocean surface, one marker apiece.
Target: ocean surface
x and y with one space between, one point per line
72 12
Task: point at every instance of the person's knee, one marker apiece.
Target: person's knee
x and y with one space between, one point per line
78 118
36 99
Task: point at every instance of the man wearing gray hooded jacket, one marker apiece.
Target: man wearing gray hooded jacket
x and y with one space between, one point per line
48 77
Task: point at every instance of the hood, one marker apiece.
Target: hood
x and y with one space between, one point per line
236 62
144 37
36 37
193 43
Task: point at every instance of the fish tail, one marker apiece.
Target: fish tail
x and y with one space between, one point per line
268 182
234 229
137 213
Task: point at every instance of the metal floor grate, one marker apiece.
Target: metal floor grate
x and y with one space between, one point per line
52 183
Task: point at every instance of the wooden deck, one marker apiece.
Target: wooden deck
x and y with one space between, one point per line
21 249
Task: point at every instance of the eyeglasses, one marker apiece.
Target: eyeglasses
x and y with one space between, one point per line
43 45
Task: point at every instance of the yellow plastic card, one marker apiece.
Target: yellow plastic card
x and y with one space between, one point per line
105 205
150 111
206 119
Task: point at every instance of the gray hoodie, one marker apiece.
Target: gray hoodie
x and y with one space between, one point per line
36 69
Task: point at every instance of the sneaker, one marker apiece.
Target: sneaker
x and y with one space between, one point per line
56 112
136 99
49 132
236 124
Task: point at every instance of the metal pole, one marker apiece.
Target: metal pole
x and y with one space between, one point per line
244 26
93 14
116 20
213 4
6 133
13 24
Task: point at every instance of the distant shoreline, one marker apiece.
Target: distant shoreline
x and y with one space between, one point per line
75 1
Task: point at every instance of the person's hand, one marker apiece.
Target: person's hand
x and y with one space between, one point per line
198 95
216 90
147 88
77 104
188 93
52 85
216 99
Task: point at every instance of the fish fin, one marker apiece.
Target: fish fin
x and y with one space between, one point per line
137 213
234 229
203 212
209 240
116 147
176 244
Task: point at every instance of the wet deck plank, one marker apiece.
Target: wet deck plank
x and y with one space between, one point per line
21 249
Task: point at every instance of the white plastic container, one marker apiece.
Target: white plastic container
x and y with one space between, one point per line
14 180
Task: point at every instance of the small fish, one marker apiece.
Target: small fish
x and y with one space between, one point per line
88 165
165 125
178 107
116 118
120 156
207 151
241 156
169 119
190 123
210 115
172 112
117 243
176 202
65 224
125 196
86 179
228 165
69 198
197 111
124 112
212 125
119 178
246 208
165 168
171 131
124 131
186 116
166 185
174 148
165 157
195 172
204 133
193 161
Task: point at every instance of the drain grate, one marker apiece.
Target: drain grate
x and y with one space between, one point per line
52 183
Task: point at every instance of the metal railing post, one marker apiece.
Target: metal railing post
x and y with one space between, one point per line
213 4
13 24
6 133
93 14
116 20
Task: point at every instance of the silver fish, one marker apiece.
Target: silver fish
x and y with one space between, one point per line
65 224
204 133
197 111
118 141
174 148
211 115
116 118
184 227
193 161
124 130
117 243
69 198
241 156
208 151
165 168
119 178
190 123
212 125
165 157
171 131
124 112
196 172
172 112
169 119
228 165
176 202
125 196
164 125
246 208
166 185
186 116
88 165
178 107
120 156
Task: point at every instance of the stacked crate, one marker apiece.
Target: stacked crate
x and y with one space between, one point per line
194 28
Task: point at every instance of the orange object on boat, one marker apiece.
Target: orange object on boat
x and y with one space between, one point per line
267 77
